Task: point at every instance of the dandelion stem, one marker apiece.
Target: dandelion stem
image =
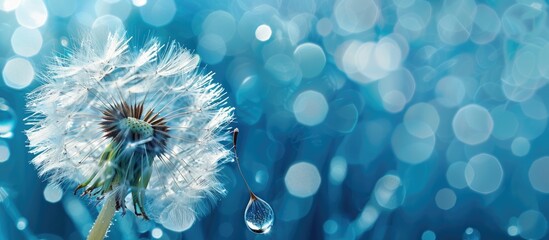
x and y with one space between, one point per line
104 220
235 137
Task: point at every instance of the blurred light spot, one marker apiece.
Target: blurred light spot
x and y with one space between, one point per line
520 146
415 17
158 12
62 8
139 3
31 14
396 89
543 61
53 193
18 73
445 199
9 5
389 192
211 48
3 194
105 25
294 208
517 20
450 91
421 120
356 16
538 174
486 25
302 179
26 42
368 217
7 118
428 235
64 41
388 54
310 58
456 19
324 27
455 175
330 226
157 233
472 124
120 9
282 67
263 32
220 23
532 225
338 170
471 234
534 108
365 60
21 223
4 151
483 173
410 148
512 231
505 123
261 176
310 108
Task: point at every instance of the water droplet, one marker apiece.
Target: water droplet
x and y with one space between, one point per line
259 215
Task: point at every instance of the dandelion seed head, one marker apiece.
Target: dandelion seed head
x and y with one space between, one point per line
145 126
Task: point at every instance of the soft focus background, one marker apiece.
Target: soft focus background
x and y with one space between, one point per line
360 119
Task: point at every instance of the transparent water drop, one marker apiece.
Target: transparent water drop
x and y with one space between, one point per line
7 119
259 215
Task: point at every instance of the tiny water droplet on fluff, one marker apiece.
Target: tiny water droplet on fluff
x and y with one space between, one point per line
259 215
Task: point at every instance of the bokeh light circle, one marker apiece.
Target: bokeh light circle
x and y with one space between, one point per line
302 179
445 199
26 42
4 151
310 108
9 5
158 12
538 174
263 32
520 146
53 193
532 225
31 14
18 73
455 175
310 58
450 91
428 235
356 16
410 148
484 173
472 124
389 192
421 120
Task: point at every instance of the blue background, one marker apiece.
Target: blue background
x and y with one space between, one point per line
359 119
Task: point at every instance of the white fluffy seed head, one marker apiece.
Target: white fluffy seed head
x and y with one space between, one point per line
68 141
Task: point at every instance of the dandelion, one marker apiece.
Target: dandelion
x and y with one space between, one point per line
141 130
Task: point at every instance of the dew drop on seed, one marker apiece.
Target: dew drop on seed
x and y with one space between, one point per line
259 215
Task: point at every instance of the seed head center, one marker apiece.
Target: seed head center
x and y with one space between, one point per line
138 126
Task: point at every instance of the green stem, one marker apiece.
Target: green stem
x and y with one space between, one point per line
103 221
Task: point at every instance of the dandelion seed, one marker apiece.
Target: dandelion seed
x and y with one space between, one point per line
142 130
